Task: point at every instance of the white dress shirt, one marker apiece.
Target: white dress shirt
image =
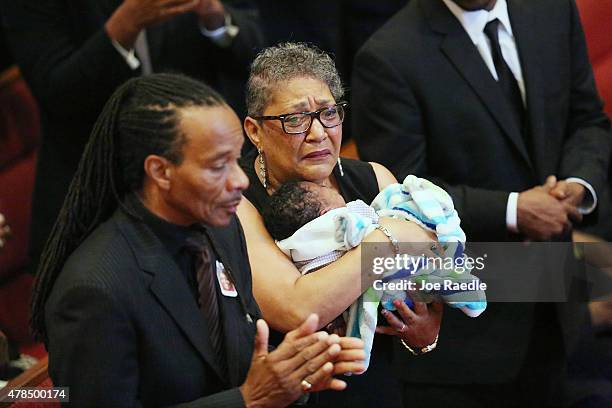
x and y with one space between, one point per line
474 23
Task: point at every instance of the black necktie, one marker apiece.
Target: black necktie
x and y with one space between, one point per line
207 295
506 79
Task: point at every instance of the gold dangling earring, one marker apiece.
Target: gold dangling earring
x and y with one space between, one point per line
340 167
262 169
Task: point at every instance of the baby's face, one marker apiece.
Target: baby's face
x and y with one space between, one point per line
328 197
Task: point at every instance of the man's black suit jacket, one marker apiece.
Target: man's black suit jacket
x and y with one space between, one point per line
72 68
425 103
125 330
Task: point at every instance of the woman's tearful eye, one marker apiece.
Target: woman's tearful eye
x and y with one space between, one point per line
295 120
330 113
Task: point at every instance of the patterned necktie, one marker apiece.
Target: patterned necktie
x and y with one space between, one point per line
506 79
207 295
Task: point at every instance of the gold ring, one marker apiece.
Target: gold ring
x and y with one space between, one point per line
401 330
306 386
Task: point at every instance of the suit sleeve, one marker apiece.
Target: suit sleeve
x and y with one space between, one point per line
389 128
586 151
250 37
93 350
67 78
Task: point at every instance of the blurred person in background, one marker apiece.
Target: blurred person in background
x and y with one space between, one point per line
74 54
339 27
495 101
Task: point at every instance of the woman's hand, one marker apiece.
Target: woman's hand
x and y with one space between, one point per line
418 328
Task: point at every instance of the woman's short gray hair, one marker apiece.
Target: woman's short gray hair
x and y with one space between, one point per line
284 62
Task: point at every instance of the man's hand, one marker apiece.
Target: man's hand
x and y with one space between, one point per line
417 328
5 231
601 313
350 360
132 16
540 216
571 193
211 14
276 379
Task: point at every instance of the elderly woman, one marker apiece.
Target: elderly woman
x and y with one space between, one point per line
294 101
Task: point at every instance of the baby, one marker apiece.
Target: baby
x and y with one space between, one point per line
315 226
295 204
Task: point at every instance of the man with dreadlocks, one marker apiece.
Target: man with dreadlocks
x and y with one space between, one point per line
128 297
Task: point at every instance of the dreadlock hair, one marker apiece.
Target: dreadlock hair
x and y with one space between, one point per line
141 118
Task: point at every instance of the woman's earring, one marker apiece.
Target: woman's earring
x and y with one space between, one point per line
340 167
262 169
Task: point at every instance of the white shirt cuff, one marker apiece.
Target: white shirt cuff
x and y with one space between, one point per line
589 204
129 56
511 213
224 35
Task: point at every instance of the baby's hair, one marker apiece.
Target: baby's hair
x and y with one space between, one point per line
291 207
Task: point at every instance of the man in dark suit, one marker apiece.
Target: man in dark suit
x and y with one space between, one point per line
488 99
130 300
74 54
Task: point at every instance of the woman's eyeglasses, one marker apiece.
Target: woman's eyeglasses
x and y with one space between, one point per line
300 122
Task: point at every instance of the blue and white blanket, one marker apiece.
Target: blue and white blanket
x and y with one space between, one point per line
329 236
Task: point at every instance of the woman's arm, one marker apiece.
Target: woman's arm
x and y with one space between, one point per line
286 297
383 175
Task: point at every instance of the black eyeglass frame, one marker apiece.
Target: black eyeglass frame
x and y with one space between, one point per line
312 115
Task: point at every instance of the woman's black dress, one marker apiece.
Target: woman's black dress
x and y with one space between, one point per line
377 387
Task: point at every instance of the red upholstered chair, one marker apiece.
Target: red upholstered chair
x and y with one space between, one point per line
36 377
19 137
596 18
